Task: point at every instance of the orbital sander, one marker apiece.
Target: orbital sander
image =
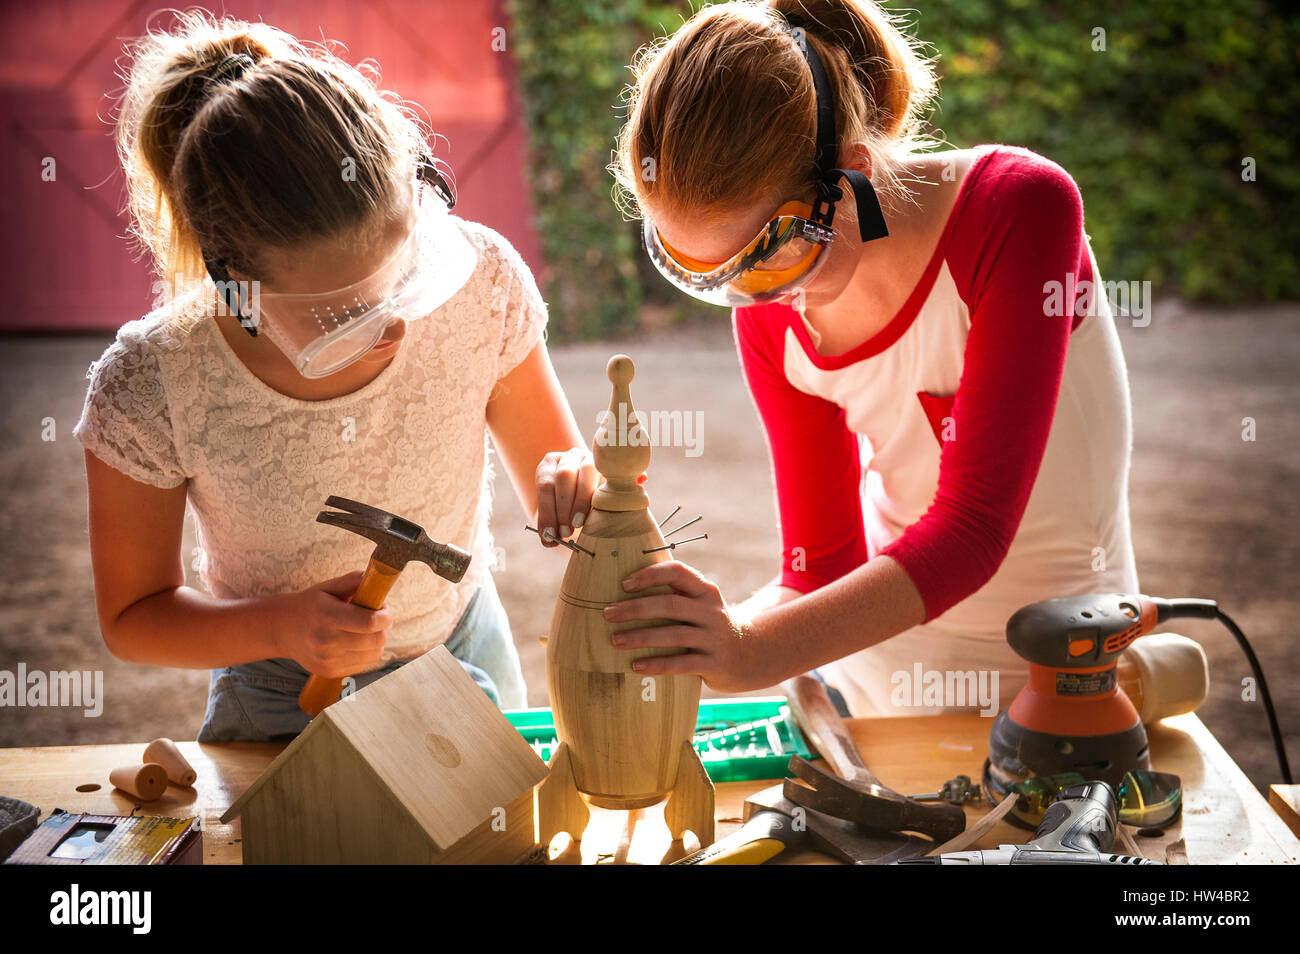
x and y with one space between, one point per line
1072 716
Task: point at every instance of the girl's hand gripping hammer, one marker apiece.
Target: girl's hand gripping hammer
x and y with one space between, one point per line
398 542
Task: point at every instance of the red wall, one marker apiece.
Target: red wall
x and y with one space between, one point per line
66 264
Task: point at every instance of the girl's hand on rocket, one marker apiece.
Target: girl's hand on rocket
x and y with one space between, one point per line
717 645
566 481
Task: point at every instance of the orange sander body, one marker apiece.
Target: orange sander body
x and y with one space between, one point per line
1072 716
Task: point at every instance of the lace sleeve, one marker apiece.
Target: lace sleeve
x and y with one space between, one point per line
517 307
125 421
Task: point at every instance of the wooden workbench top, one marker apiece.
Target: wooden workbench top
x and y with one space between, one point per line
1225 820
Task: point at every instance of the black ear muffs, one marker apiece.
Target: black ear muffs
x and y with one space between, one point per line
871 218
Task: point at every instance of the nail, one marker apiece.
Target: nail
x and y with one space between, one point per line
578 518
564 532
630 583
610 612
617 641
548 533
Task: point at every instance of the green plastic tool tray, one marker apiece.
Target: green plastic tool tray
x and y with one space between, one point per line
738 739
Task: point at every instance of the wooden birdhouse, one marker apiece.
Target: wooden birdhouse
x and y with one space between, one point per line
417 768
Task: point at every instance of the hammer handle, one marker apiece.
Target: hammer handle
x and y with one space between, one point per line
321 691
883 807
825 729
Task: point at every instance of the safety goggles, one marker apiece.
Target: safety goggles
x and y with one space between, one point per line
1145 799
322 333
788 253
784 256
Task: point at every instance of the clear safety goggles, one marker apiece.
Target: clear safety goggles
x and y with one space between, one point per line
322 333
783 257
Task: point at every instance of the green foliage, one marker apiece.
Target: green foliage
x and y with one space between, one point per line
571 61
1154 129
572 68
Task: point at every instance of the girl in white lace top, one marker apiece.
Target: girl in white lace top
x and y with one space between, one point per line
253 158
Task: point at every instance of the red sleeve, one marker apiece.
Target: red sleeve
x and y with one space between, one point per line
815 467
1021 229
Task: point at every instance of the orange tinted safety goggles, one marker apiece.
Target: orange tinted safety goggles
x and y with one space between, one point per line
783 257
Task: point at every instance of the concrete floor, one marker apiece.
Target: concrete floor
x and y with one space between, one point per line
1213 516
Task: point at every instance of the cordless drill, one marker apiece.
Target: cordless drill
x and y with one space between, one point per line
1078 829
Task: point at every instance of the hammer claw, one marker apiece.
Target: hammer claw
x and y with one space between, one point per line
816 775
869 805
356 506
350 520
397 541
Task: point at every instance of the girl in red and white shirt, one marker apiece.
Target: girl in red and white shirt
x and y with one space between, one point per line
944 397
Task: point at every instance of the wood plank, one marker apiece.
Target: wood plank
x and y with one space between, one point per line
1225 821
1285 800
48 778
1225 818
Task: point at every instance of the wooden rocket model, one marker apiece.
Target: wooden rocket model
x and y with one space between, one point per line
625 738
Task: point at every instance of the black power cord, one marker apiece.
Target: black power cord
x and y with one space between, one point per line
1233 628
1187 608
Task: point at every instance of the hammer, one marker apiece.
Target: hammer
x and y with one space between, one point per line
775 825
851 791
398 541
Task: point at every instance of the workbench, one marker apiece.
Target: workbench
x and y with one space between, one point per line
1225 819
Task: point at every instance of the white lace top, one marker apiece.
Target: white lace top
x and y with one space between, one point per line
171 403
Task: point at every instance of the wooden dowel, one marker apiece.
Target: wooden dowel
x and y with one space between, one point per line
146 782
166 754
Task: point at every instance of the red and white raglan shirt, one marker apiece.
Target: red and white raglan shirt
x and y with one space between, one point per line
981 438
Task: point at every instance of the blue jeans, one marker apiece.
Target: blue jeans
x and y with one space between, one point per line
258 701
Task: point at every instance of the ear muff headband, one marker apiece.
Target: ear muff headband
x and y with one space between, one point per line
871 219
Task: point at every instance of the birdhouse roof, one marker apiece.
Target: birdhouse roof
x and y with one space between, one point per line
434 739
